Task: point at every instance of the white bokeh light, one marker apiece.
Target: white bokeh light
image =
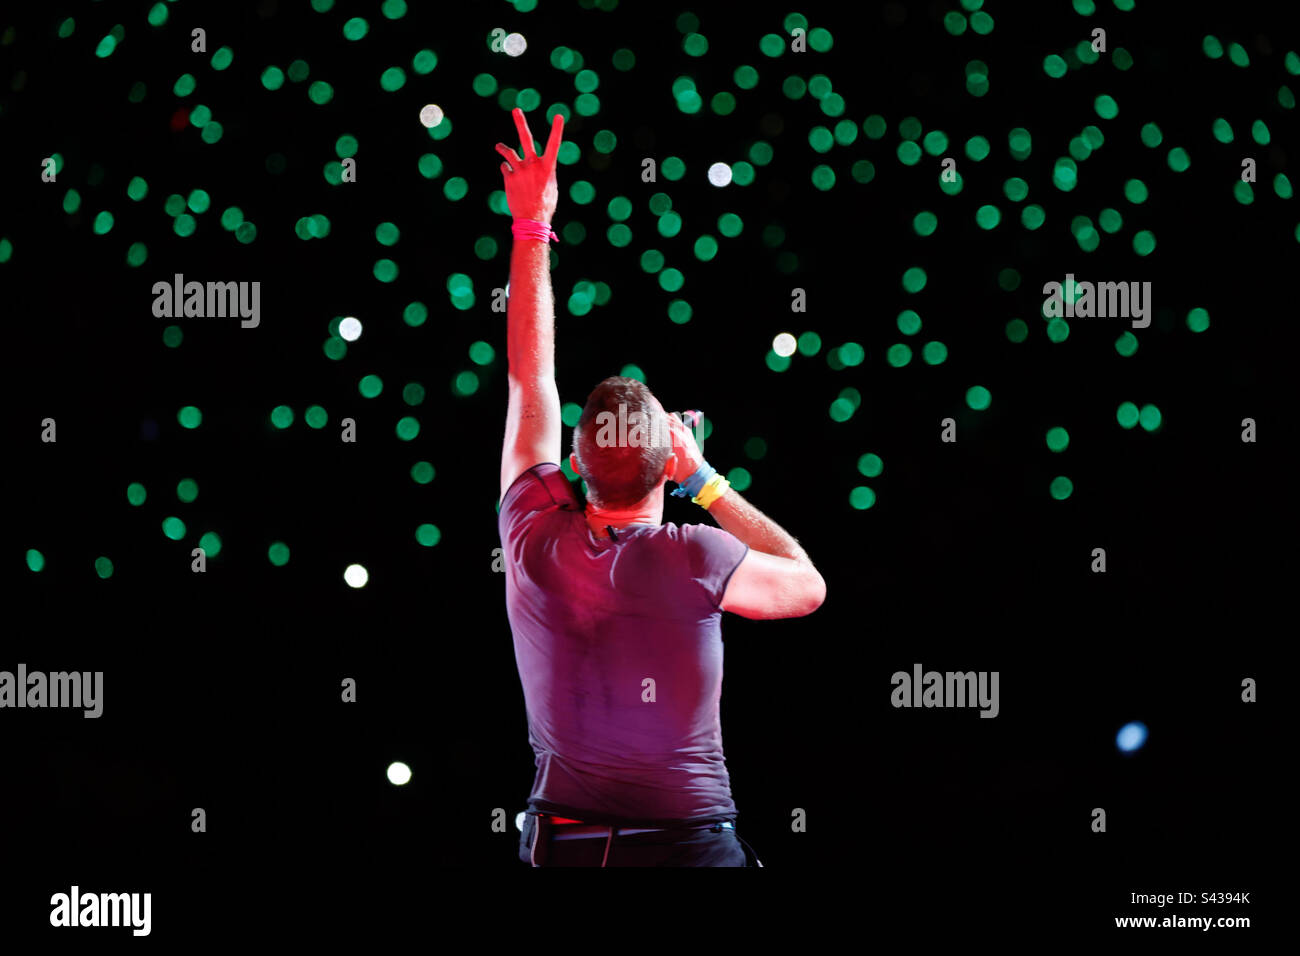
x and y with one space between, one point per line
784 345
398 773
431 115
350 329
356 576
719 174
514 44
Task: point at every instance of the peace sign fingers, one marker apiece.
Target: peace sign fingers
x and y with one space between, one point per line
557 134
525 137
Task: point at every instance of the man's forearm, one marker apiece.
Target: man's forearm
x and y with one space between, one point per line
530 313
736 515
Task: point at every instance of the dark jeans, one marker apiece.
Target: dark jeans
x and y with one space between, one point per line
660 848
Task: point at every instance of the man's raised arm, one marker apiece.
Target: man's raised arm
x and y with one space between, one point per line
533 410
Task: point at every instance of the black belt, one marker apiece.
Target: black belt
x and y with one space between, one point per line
546 830
580 831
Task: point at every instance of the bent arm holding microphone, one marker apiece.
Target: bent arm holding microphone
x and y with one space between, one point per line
776 579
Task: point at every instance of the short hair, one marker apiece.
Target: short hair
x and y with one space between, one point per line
619 474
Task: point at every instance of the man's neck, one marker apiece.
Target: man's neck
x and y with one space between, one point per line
599 518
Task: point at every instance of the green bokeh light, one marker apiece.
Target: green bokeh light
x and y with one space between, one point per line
1065 174
424 62
415 314
1135 191
1020 143
392 79
909 323
1149 418
862 497
413 393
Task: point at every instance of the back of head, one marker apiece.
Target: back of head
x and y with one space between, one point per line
622 442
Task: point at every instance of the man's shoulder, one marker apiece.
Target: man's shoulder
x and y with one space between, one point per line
541 486
696 536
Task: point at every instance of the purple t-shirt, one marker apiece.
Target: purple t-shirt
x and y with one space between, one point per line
592 619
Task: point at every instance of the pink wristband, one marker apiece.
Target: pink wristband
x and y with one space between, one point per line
533 229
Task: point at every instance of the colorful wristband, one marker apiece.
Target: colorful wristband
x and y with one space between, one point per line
692 485
715 488
533 229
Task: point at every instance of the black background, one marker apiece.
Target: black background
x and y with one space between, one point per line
222 689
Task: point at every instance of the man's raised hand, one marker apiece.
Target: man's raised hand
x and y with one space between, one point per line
685 447
531 190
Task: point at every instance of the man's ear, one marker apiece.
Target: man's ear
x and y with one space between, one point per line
670 467
573 461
